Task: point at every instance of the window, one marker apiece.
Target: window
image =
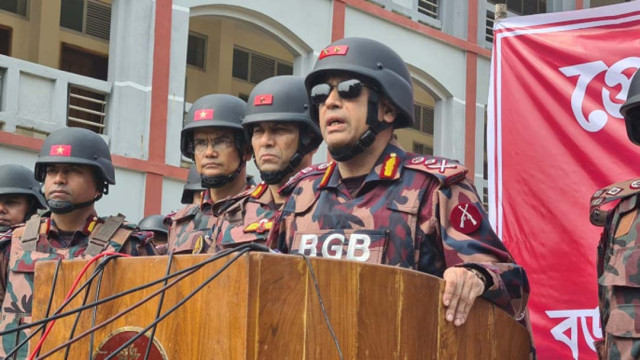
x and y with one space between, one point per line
87 109
488 31
244 97
91 17
15 6
423 149
254 67
523 7
423 116
81 62
5 41
196 47
428 7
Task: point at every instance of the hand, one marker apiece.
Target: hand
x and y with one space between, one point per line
461 289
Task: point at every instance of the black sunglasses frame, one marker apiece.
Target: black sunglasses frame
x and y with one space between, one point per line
347 89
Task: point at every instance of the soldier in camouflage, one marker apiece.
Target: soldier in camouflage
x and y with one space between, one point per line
155 224
75 166
377 203
20 196
283 138
618 255
213 138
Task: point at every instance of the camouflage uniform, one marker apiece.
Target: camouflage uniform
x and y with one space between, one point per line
191 228
411 211
248 219
17 265
618 269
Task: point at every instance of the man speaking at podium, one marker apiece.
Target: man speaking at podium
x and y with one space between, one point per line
75 166
377 203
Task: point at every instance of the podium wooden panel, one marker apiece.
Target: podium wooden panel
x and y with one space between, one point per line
265 306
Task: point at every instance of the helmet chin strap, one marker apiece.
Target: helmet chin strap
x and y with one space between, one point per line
65 207
367 138
221 180
276 177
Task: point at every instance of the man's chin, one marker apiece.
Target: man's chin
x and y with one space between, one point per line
213 174
270 168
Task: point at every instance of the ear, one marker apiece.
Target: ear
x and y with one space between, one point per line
387 112
246 156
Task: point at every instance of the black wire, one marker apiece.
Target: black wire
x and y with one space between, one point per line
43 323
94 315
324 311
53 288
191 269
177 305
123 293
159 311
75 323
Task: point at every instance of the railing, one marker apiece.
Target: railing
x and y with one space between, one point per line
47 99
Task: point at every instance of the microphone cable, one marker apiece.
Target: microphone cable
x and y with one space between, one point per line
183 274
179 304
43 323
115 296
324 311
159 311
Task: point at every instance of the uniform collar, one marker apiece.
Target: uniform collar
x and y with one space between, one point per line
261 194
387 167
216 207
89 224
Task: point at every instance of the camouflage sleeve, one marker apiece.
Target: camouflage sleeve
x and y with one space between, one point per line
5 250
139 243
453 219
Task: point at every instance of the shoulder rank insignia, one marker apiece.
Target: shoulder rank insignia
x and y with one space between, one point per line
446 171
608 194
259 190
259 227
306 172
389 168
328 170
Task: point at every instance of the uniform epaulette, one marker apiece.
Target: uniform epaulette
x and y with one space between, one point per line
445 170
608 194
318 169
259 190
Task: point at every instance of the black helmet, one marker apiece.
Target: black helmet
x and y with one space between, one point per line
283 99
17 179
77 146
193 185
631 109
153 223
373 61
216 110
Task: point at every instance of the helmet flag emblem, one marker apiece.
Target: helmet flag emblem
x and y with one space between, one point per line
60 150
266 99
334 50
203 114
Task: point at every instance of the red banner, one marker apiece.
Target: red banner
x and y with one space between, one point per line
555 136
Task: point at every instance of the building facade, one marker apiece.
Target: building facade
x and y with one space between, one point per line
130 69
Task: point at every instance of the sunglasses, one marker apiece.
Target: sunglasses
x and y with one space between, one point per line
348 89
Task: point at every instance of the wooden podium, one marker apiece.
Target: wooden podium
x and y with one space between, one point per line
265 306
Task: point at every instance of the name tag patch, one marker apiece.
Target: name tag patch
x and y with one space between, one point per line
356 245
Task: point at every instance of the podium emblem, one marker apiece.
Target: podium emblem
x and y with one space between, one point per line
136 350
